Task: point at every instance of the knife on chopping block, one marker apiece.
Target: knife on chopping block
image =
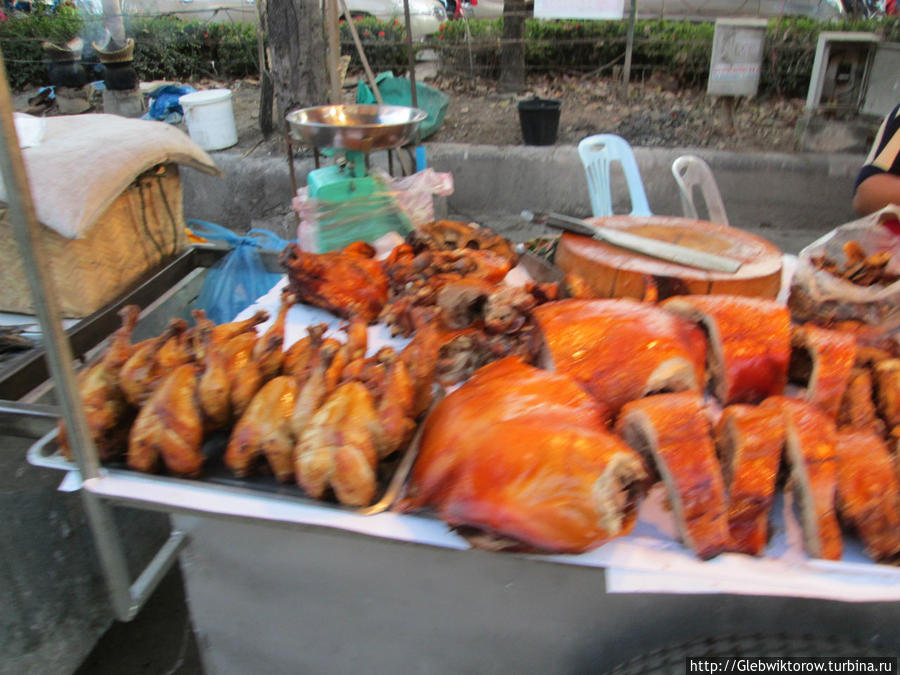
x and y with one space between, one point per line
654 248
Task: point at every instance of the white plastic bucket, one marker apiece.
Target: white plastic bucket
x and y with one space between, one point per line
210 118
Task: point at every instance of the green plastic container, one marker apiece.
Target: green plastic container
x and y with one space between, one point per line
396 91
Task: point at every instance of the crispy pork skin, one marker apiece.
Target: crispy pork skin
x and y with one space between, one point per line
749 441
525 454
887 386
858 403
749 343
868 498
620 350
809 449
672 432
832 355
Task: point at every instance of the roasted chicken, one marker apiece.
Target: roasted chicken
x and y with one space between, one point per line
349 283
264 430
105 409
337 448
144 368
523 454
170 426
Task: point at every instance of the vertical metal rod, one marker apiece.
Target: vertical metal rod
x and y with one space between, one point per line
629 46
334 51
411 55
59 352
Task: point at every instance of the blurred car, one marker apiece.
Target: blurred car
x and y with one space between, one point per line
425 16
698 9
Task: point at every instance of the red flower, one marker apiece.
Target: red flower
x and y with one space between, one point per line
206 35
381 33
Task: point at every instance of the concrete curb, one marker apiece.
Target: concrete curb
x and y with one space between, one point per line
792 197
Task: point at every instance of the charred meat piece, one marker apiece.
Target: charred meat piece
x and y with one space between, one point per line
749 343
672 433
749 441
522 454
809 449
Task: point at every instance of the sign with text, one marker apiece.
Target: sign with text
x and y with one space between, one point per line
579 9
736 61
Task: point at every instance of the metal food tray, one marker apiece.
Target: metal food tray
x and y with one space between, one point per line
392 473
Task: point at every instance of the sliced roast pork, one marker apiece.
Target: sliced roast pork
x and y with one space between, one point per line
749 343
823 359
525 455
673 433
868 493
749 441
809 449
620 350
858 403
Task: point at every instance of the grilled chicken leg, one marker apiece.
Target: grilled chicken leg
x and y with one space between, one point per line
170 425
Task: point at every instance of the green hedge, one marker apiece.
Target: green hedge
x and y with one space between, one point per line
678 48
185 50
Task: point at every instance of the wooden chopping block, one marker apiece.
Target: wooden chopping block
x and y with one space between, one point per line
613 272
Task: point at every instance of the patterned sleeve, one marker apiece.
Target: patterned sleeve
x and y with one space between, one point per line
884 156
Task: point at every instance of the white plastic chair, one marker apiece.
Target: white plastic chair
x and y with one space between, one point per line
690 172
597 154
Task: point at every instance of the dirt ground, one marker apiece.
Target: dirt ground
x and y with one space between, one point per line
656 114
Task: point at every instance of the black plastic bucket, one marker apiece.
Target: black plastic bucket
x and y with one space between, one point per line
539 118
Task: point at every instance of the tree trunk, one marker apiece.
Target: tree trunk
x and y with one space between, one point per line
512 55
297 52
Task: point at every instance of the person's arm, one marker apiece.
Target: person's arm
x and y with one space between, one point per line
878 182
876 192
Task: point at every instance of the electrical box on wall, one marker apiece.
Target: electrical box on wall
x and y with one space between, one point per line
883 87
840 71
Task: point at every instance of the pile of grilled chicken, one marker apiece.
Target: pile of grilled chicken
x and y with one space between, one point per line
570 408
320 413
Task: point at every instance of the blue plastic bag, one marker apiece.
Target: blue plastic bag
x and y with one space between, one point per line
164 103
240 277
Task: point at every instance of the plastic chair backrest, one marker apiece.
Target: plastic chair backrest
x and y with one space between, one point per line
597 154
690 171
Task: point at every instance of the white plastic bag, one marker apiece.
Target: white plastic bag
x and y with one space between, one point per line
823 298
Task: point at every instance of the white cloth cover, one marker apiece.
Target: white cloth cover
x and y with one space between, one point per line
82 163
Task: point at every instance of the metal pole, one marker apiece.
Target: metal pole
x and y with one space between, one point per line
334 51
629 44
411 55
59 352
